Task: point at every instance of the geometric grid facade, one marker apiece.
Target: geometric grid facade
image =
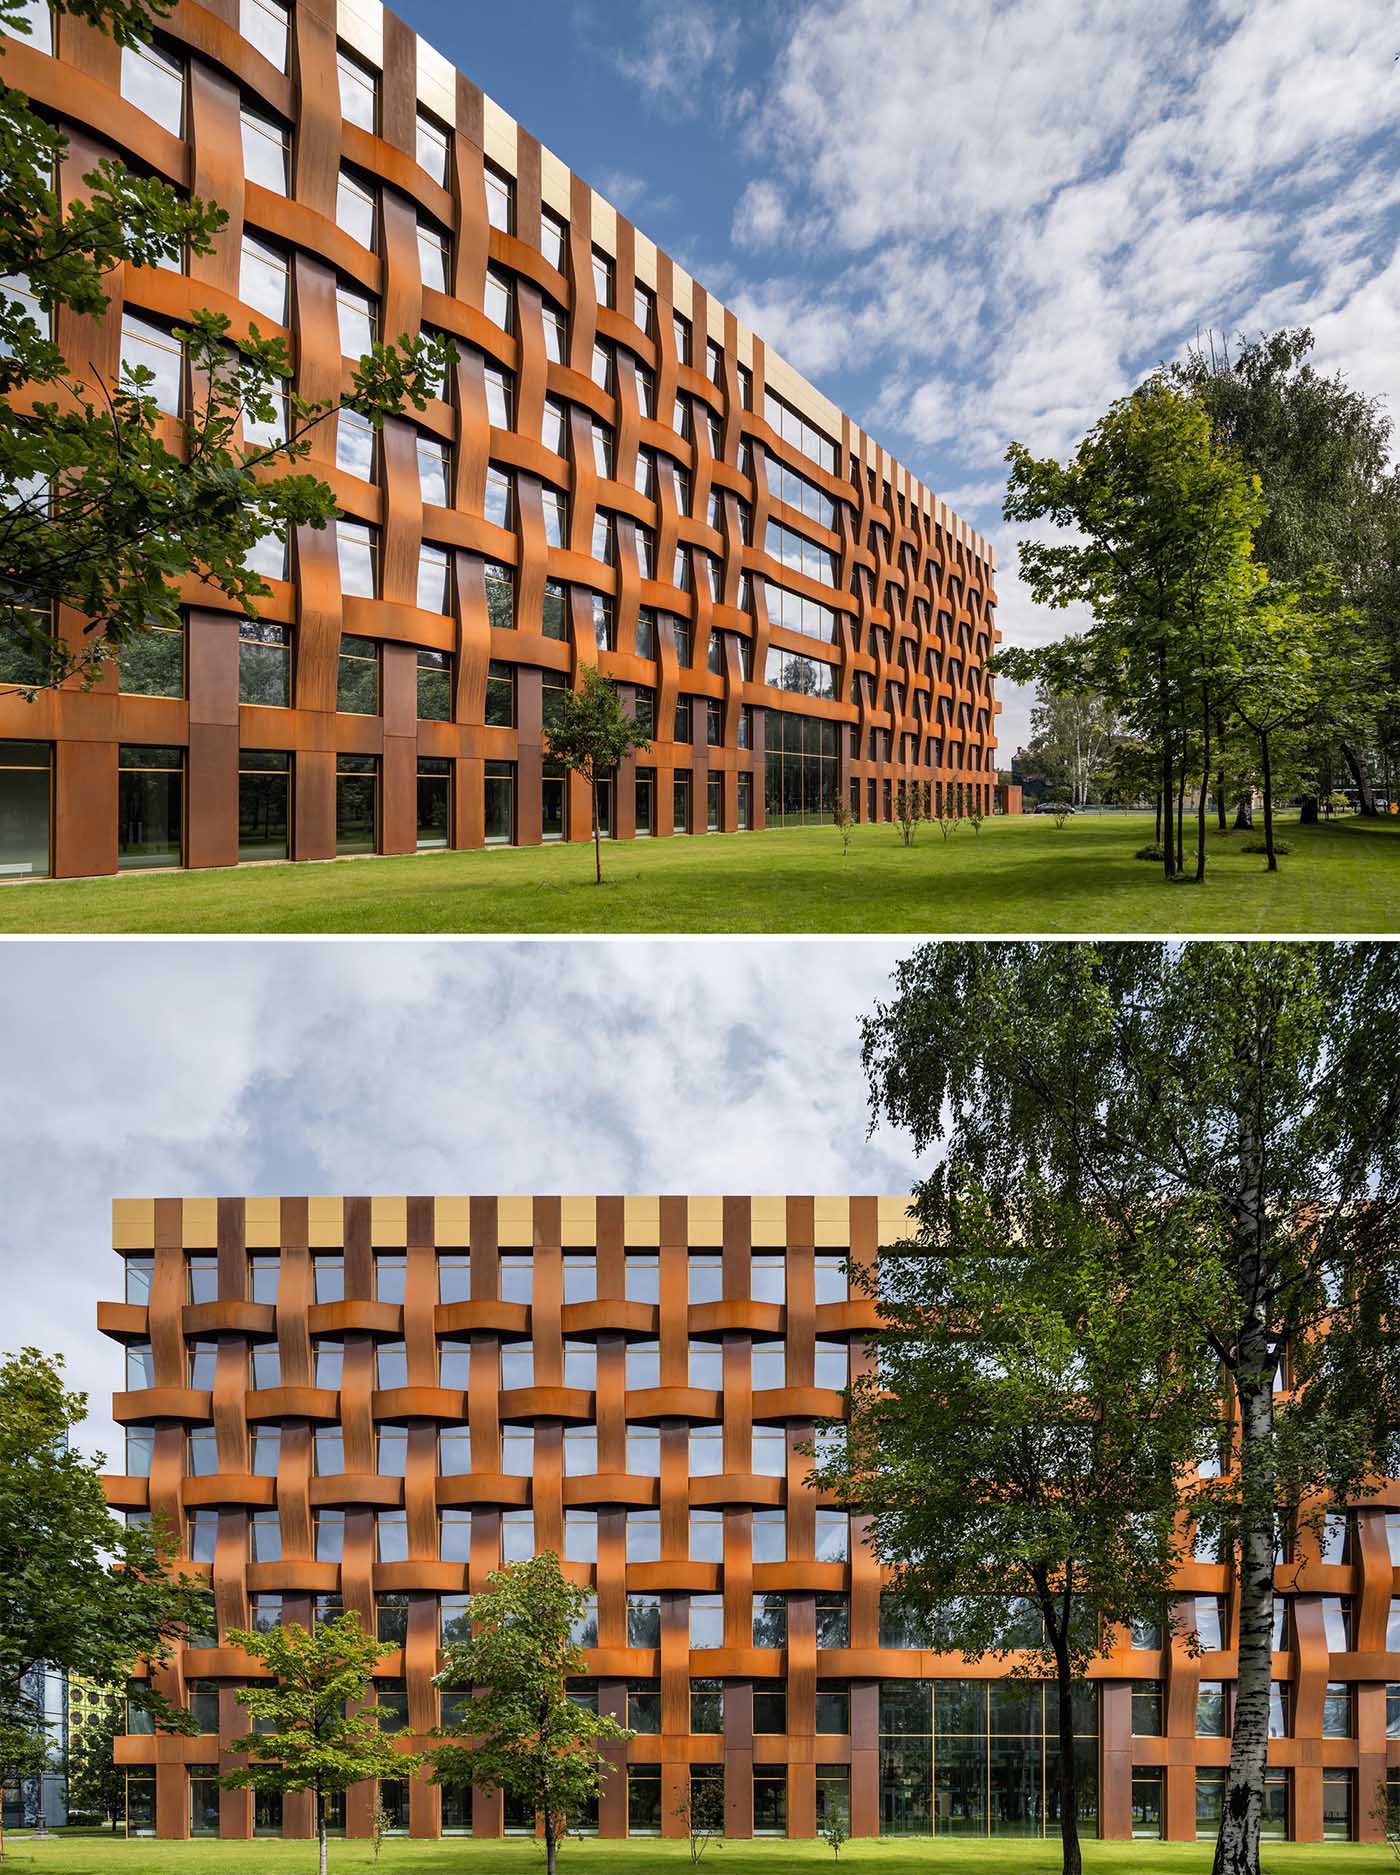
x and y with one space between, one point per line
617 472
368 1403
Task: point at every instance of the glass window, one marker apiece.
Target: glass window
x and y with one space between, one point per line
556 339
1212 1720
580 1365
707 1536
155 83
454 1451
434 578
264 665
769 1536
500 596
356 803
328 1535
706 1279
25 774
454 1362
769 1451
146 347
1147 1709
706 1362
499 302
833 1621
266 147
328 1451
262 274
434 472
517 1364
265 1531
434 687
643 1364
499 504
580 1451
707 1621
264 804
356 208
770 1620
329 1359
454 1536
432 257
358 320
500 696
1337 1623
391 1536
150 806
359 92
643 1536
644 1800
706 1451
554 239
643 1451
1337 1711
357 682
432 147
833 1537
356 446
517 1451
153 663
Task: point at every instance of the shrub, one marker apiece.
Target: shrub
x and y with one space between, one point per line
1149 852
1261 846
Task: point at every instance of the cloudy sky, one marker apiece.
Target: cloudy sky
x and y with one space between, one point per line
981 222
197 1069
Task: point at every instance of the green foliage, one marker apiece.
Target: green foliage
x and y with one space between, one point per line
77 1589
701 1814
96 1782
843 820
314 1739
1151 851
106 504
1261 846
908 809
522 1733
834 1832
1236 1106
590 734
1071 740
1154 533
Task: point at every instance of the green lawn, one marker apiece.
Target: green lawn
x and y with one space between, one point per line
1020 874
104 1856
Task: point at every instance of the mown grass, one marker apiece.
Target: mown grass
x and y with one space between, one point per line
1019 875
91 1855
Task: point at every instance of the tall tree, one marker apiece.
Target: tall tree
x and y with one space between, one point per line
311 1739
77 1590
589 735
523 1733
1160 521
1321 449
1072 736
105 505
1020 1449
1242 1103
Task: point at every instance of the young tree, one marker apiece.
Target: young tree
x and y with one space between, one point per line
1020 1447
1162 522
98 513
522 1733
313 1740
841 817
908 809
701 1813
77 1590
590 735
1240 1103
26 1750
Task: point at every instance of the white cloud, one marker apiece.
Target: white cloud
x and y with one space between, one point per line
760 217
687 54
173 1069
1008 222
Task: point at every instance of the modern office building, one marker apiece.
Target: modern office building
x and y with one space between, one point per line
370 1403
617 471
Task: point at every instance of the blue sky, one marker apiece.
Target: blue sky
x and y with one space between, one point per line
974 223
178 1069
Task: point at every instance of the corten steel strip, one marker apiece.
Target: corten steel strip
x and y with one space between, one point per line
419 1230
914 596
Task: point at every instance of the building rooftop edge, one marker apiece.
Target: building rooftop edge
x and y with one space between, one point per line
360 23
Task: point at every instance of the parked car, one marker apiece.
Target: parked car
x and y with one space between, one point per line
1053 807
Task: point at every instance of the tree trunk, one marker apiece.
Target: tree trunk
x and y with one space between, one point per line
1205 797
1158 835
1168 843
1244 815
1237 1847
551 1844
1221 815
1070 1855
1268 804
321 1830
1181 809
1361 775
597 836
1308 815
